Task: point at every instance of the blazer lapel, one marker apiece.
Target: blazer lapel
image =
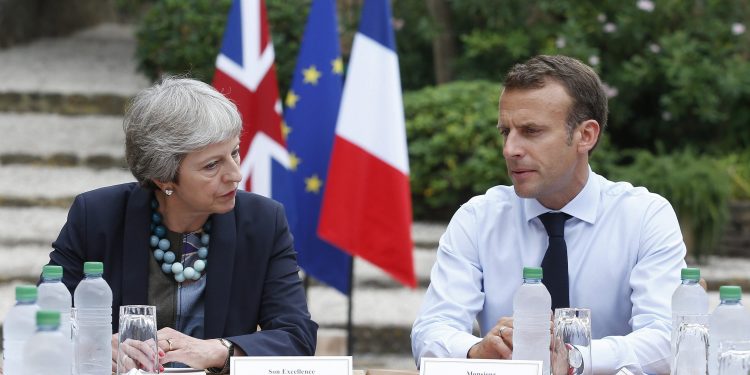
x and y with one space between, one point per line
219 271
135 250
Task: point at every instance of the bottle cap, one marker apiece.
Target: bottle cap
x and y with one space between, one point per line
691 274
532 273
730 292
25 293
93 267
52 272
47 318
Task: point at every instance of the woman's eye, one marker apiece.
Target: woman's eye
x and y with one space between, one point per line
211 165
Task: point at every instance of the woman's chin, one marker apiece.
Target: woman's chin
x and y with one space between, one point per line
224 207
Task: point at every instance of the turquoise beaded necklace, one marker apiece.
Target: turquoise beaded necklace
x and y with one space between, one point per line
166 258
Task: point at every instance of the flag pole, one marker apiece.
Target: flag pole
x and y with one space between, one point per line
349 326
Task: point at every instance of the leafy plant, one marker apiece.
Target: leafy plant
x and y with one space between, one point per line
184 36
181 37
455 151
677 71
697 187
737 166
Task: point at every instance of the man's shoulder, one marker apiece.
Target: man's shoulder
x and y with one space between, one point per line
494 197
626 193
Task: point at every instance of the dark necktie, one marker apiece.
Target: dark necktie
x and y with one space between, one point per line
555 262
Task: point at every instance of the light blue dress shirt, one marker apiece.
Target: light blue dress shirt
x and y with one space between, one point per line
625 252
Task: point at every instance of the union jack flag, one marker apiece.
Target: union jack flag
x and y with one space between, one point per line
245 73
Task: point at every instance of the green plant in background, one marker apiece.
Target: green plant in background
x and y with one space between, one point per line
676 70
184 36
455 150
181 37
737 166
697 187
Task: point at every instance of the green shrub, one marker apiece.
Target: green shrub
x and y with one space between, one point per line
455 151
737 166
181 37
679 71
184 36
697 186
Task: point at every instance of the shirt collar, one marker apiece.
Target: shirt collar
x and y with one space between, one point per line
583 206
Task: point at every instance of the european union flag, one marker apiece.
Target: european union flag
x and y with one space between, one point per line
312 107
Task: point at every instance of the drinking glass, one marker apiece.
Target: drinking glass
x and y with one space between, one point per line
691 345
137 350
734 357
571 344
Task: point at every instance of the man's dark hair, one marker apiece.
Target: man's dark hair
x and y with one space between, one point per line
580 82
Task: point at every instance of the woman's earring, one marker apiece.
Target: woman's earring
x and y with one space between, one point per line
168 191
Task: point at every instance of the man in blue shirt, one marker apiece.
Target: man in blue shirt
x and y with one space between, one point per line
624 246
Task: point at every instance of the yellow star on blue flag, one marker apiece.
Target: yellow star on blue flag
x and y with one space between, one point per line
318 79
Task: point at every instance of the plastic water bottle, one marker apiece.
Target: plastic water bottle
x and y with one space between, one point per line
688 299
92 342
532 319
42 354
18 326
729 321
54 295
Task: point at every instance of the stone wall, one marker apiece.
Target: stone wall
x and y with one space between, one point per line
736 239
24 20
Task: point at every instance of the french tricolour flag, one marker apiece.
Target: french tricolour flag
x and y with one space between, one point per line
366 206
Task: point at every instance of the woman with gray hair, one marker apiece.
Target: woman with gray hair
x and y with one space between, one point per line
217 262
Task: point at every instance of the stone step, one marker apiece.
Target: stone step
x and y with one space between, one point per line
91 141
37 226
23 186
90 72
427 234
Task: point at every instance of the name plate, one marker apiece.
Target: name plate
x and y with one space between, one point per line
291 365
456 366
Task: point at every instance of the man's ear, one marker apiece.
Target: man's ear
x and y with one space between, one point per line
588 135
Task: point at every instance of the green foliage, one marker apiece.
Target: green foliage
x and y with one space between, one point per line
737 166
184 36
679 72
455 151
413 43
181 37
697 186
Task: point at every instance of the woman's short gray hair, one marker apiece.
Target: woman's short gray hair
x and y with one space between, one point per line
170 119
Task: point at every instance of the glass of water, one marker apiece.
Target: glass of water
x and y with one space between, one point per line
691 345
137 349
571 344
734 357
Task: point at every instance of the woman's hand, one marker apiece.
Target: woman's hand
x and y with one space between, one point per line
134 354
196 353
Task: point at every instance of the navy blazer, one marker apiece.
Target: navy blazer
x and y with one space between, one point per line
251 272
